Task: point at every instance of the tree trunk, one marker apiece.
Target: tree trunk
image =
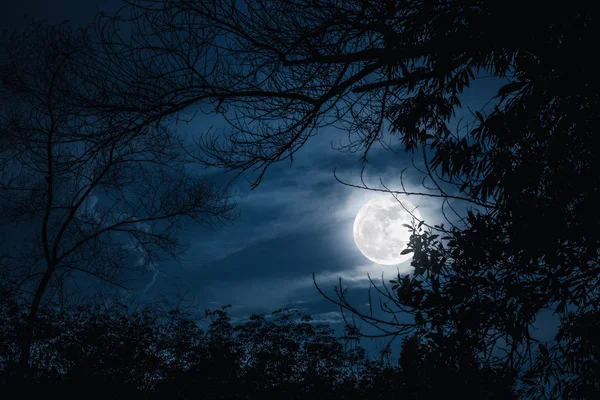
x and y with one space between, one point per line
27 339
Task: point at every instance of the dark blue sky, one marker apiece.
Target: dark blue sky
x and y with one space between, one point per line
298 221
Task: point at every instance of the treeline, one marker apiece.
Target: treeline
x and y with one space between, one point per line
118 351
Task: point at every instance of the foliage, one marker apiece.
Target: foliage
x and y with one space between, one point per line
154 352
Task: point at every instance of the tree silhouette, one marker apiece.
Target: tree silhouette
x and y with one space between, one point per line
150 352
109 349
103 188
526 168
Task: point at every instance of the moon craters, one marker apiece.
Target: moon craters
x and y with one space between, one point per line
378 230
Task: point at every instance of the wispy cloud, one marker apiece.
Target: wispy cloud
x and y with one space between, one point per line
142 260
297 221
358 277
330 317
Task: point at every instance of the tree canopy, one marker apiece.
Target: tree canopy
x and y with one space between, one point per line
156 352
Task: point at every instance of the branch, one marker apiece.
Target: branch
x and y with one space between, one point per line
487 205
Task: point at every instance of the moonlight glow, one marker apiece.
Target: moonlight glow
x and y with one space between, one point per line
378 230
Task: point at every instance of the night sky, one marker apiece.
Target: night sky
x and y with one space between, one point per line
298 221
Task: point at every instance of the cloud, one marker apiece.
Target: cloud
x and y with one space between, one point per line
299 220
142 261
289 232
331 317
307 198
299 302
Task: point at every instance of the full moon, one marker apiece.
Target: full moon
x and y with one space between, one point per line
378 230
